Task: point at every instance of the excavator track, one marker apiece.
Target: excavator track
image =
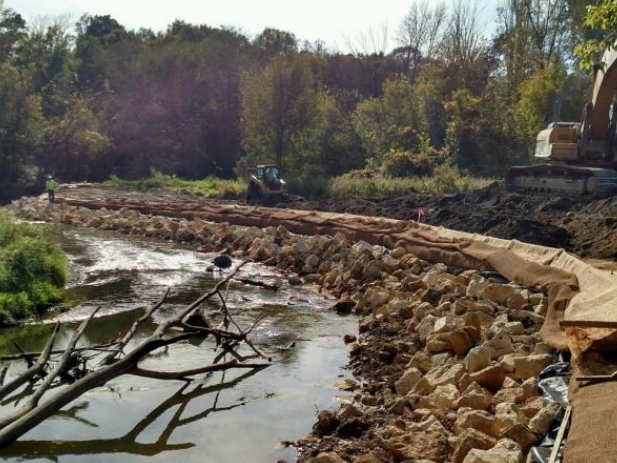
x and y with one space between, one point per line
562 180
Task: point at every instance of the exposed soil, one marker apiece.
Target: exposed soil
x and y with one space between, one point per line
584 227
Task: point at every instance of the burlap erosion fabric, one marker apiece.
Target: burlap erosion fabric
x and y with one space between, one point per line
593 430
524 264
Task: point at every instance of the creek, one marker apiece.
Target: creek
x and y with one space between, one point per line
230 417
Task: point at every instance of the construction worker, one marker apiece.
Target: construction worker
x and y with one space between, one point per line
51 185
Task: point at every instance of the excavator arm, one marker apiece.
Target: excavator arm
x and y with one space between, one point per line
598 129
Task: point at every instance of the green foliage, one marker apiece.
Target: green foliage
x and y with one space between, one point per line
210 187
406 164
481 134
78 140
445 180
602 19
537 95
21 123
388 123
289 119
310 186
99 99
33 269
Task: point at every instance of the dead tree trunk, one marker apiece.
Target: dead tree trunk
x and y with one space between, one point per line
114 364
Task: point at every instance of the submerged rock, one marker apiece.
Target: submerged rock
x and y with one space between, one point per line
222 261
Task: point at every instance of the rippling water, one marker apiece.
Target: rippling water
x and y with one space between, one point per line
225 417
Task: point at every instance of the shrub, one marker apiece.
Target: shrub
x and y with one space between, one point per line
210 187
445 180
33 269
406 164
314 187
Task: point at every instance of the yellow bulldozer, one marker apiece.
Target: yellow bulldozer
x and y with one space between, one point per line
265 185
577 159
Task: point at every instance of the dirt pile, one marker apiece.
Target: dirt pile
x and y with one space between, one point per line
447 358
583 227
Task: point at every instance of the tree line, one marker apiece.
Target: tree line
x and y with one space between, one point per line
96 99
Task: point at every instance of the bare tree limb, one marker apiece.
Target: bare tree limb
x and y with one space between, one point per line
185 374
131 332
34 370
59 368
103 347
172 331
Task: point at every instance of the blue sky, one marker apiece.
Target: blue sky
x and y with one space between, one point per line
333 21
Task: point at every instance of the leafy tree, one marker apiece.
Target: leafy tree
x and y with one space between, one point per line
481 135
21 125
272 42
388 123
535 107
74 142
12 32
533 34
602 19
277 103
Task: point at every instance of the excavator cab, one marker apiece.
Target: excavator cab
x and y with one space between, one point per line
265 185
559 142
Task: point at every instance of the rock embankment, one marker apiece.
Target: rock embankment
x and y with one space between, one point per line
447 358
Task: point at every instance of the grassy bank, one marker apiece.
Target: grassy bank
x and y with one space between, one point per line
445 180
210 187
33 270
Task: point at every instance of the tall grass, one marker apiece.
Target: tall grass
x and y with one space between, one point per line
33 269
210 187
445 180
364 183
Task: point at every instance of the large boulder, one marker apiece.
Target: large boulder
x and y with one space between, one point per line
531 365
469 440
329 457
491 377
505 451
477 359
475 397
408 381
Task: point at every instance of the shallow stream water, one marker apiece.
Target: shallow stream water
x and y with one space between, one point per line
231 417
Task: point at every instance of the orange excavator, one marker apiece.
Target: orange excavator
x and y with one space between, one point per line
577 159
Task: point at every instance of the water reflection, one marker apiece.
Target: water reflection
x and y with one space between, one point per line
128 443
230 422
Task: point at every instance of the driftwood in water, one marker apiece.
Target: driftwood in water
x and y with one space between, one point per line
260 284
229 336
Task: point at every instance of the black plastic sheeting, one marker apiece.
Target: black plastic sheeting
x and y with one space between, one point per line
553 382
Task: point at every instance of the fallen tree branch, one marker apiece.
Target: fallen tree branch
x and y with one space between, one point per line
260 284
34 370
59 368
131 332
184 374
115 364
103 347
